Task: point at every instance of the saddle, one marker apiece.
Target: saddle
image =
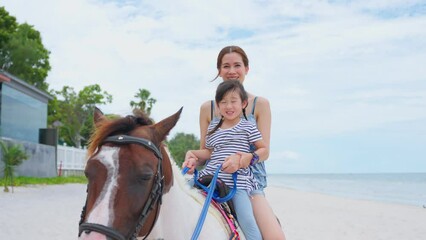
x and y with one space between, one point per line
221 191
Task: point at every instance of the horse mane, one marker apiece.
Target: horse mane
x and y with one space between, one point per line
123 125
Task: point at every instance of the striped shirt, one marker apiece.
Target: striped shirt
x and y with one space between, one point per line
225 142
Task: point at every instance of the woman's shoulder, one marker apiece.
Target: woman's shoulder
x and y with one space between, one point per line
261 105
206 105
262 100
205 110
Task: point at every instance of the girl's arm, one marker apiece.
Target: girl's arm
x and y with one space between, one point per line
200 155
194 157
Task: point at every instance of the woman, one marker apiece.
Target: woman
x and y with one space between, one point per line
233 63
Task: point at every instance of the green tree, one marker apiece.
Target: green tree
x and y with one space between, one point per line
22 52
180 144
74 111
145 102
8 26
12 157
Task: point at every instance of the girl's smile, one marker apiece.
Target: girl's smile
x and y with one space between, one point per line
231 107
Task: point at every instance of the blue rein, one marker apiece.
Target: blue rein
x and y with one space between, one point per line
210 190
216 196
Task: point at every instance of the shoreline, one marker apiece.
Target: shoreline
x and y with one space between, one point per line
53 212
351 196
399 188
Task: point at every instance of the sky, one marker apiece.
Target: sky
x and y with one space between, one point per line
346 80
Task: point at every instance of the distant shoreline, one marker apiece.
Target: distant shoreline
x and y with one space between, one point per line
400 188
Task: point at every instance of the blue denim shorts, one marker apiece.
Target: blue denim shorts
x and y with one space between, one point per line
259 173
257 192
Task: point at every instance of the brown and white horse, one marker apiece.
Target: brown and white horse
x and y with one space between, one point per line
132 191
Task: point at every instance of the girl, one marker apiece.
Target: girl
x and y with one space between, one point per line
228 135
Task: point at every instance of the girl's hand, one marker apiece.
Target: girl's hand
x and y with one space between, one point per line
232 163
190 162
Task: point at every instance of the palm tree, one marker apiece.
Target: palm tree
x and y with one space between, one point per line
12 156
146 102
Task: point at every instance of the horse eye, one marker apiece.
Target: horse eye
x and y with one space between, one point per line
145 176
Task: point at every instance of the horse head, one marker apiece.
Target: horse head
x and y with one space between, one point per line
128 170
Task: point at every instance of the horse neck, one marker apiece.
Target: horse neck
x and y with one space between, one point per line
181 210
181 198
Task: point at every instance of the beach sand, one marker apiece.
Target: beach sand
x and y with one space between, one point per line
53 212
306 215
41 212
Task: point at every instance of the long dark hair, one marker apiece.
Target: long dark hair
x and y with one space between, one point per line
224 88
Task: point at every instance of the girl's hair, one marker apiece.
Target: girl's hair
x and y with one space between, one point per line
230 49
224 88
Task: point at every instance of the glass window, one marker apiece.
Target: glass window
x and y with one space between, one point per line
21 115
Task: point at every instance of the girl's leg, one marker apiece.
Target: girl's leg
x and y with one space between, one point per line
245 215
266 219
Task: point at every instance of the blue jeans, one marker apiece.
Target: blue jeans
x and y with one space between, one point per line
244 211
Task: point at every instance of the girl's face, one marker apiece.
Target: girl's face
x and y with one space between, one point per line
232 67
231 106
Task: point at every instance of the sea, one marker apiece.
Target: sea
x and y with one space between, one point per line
401 188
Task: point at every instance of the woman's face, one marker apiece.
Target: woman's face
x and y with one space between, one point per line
232 67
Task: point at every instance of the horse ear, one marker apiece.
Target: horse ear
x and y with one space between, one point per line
98 115
163 127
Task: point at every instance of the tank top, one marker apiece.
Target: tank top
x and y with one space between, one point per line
259 170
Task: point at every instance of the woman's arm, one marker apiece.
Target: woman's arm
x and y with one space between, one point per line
205 111
261 151
262 114
204 124
194 158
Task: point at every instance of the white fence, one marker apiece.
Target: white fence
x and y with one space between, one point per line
71 161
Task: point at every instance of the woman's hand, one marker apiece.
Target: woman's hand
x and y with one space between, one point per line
232 163
190 162
245 159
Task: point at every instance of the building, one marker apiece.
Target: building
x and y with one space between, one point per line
23 120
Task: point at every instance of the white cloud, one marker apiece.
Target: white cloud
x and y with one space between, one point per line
286 155
327 68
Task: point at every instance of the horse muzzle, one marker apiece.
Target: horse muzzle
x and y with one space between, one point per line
108 232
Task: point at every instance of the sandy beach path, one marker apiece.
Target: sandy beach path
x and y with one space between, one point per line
41 212
53 212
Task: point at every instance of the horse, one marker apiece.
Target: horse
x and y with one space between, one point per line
135 189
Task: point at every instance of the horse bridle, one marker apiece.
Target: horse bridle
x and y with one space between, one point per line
155 194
